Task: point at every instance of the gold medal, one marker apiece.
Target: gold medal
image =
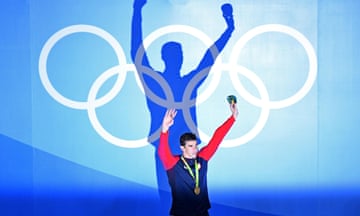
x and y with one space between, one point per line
197 190
196 176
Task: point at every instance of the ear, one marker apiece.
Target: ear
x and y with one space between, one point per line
182 148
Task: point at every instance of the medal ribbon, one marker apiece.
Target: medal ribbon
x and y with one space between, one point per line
196 177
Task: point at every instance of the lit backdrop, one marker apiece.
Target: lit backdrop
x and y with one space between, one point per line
75 122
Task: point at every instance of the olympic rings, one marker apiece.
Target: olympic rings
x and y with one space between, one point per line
184 29
92 114
263 115
63 33
119 70
303 41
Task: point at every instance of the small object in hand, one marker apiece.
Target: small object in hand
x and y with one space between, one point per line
231 99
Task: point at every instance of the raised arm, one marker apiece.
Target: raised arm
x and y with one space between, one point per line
137 47
164 151
208 151
214 50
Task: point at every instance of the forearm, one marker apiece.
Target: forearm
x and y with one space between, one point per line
224 38
208 151
136 32
138 53
214 50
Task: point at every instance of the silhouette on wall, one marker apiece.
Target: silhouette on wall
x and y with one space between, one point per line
169 86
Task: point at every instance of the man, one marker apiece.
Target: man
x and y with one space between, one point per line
187 173
172 55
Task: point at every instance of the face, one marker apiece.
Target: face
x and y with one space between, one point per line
190 149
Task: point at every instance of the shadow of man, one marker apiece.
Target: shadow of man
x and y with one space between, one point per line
166 89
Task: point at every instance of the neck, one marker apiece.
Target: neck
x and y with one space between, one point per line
189 156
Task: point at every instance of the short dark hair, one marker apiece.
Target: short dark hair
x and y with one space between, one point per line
187 137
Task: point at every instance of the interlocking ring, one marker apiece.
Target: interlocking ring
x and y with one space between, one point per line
263 115
120 71
286 30
71 30
170 103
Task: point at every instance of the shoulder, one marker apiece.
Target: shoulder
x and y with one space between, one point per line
201 160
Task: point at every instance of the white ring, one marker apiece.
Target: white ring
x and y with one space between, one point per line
262 118
92 103
170 101
311 57
191 31
77 29
92 112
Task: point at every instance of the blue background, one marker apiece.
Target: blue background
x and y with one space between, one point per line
304 161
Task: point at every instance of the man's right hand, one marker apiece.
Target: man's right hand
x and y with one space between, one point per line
168 119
